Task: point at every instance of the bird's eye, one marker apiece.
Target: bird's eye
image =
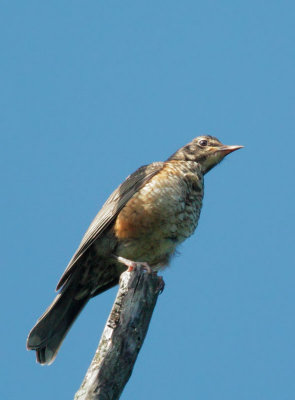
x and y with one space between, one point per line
203 142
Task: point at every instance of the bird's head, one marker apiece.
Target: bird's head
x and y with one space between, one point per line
206 150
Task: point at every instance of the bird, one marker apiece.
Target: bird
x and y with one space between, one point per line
142 222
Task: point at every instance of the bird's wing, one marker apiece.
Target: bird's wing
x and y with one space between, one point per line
110 210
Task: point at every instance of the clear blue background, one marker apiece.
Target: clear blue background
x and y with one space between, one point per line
91 90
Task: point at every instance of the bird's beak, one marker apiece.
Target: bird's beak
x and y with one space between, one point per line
229 149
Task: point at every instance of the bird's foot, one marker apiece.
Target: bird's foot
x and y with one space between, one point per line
161 285
133 265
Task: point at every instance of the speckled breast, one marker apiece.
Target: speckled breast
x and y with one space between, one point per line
161 214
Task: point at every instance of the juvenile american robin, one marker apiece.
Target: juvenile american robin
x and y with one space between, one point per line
142 222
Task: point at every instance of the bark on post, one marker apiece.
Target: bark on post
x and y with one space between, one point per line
122 337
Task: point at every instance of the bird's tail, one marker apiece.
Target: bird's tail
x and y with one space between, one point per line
50 330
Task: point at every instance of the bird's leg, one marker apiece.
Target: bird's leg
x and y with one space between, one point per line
134 264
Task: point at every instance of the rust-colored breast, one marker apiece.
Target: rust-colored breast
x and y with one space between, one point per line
166 208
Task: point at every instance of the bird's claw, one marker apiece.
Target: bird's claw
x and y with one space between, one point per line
133 265
161 285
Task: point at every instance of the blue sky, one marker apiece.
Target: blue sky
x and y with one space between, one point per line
90 91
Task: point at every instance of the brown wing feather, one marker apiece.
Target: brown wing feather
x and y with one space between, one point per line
110 210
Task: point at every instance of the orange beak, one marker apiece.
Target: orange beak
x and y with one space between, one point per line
229 149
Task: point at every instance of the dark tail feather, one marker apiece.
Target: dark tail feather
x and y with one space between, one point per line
50 330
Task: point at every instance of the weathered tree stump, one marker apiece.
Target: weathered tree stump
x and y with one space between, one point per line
122 337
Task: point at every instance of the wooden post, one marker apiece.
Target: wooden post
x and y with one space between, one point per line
122 337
